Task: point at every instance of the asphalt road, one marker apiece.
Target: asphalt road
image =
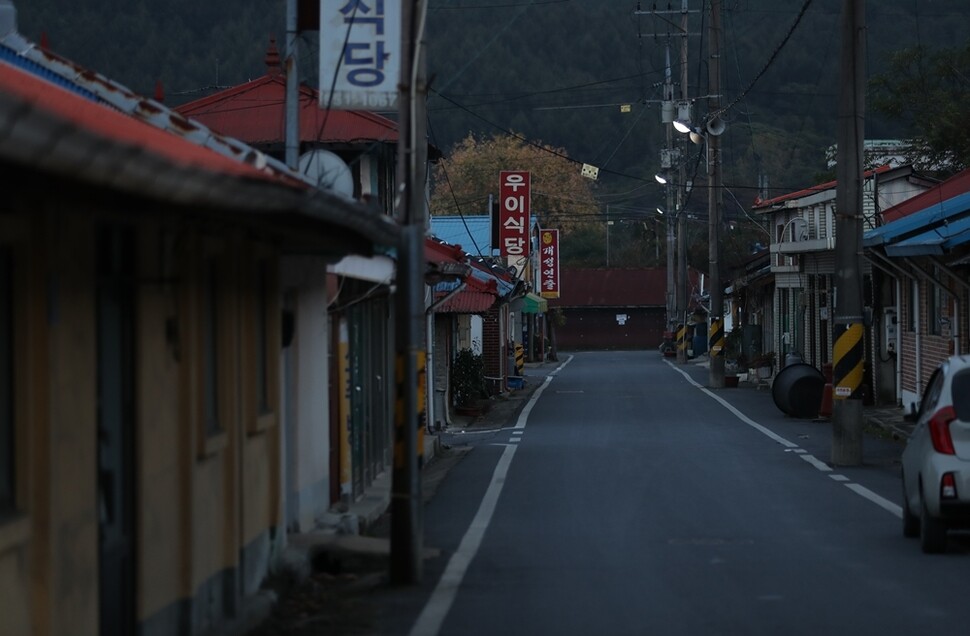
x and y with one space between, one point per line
630 499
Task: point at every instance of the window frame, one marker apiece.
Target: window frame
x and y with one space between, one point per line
261 330
212 282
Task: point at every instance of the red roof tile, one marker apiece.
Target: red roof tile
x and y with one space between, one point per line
254 112
822 187
112 125
467 302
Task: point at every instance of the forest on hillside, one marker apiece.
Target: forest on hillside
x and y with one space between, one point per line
583 75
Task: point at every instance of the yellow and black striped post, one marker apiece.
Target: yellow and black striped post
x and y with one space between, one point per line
848 363
519 359
682 338
715 341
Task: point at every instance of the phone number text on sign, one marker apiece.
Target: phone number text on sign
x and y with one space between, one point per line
515 202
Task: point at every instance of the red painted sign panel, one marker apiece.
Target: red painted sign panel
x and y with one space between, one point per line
515 203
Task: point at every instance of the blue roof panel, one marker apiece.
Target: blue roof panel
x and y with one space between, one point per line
472 233
937 241
918 221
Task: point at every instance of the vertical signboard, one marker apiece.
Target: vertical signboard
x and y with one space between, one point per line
515 203
360 54
549 263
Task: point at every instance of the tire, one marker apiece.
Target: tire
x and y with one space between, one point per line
911 523
932 532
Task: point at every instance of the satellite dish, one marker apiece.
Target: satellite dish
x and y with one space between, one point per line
328 171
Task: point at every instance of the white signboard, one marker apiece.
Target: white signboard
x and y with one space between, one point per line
360 54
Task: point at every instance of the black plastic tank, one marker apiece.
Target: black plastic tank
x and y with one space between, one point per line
797 390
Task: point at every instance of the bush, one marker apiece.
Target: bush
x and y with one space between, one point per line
468 378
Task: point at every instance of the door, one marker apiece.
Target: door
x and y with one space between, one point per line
115 377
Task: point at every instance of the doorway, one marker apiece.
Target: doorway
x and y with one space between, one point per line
115 443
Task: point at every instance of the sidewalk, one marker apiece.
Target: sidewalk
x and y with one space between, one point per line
886 418
336 564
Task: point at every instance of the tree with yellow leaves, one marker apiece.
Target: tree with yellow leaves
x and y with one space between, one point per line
561 196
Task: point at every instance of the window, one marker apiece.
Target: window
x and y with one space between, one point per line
261 337
261 325
7 453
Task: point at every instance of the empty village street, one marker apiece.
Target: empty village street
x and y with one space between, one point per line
627 498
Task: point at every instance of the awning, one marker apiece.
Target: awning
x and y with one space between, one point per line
936 242
534 304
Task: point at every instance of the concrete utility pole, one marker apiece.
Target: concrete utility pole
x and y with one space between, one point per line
292 88
669 211
411 370
849 352
682 282
713 200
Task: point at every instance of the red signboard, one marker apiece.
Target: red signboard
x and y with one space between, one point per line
549 263
515 203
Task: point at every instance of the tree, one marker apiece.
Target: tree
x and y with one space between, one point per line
561 196
929 93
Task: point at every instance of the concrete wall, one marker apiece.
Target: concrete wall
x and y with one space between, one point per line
204 506
308 427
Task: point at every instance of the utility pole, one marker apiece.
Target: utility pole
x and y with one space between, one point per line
682 282
849 352
713 200
292 88
410 369
669 192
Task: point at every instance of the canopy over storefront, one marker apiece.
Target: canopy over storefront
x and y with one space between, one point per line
533 304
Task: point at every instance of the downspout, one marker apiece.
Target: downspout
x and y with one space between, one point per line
899 342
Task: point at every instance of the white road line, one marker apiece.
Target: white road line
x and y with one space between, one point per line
741 416
517 432
433 615
860 490
882 502
817 463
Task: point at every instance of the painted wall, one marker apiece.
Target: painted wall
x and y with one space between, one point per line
308 427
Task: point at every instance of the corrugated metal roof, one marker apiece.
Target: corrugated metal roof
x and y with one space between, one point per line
937 241
935 197
931 212
472 232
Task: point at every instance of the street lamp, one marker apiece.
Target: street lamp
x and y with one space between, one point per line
662 180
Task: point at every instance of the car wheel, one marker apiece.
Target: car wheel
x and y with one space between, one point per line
932 532
911 523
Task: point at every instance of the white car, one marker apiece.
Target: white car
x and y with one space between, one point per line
936 460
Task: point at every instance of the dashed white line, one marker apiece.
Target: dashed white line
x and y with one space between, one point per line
738 414
817 463
880 501
859 489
